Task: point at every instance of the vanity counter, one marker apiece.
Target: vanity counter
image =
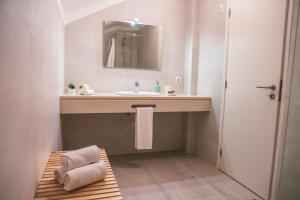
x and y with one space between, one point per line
113 103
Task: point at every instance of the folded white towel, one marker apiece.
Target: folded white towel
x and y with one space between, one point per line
59 175
144 128
80 157
85 175
86 92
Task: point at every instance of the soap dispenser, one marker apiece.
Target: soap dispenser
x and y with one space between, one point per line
157 87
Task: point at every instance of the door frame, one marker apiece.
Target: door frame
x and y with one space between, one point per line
282 107
283 113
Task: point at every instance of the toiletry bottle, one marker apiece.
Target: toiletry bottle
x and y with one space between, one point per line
157 87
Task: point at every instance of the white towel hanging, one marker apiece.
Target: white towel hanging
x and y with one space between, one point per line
144 128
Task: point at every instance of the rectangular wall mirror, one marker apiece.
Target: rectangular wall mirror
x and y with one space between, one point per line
132 45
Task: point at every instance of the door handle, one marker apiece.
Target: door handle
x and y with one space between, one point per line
271 87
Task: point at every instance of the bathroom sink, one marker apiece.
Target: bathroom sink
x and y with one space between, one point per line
141 93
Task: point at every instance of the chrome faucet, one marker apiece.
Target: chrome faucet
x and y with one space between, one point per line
136 87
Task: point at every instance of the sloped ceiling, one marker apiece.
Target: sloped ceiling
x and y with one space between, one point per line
73 10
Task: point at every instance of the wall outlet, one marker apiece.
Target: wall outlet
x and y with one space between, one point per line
178 79
220 8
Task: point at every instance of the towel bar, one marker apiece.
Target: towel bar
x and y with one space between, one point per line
143 105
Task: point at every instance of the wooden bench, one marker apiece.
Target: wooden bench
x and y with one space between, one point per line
49 188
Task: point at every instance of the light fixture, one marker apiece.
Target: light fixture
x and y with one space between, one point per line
134 21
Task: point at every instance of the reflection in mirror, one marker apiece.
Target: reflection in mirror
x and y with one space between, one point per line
132 45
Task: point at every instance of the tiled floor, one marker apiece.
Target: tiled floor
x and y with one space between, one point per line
174 175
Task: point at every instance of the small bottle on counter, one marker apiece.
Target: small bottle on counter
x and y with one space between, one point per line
157 87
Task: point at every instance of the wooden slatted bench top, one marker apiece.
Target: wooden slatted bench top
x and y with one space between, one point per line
49 188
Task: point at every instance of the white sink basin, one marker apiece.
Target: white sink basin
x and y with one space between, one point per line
140 93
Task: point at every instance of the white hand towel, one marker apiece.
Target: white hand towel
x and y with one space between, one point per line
59 175
85 175
80 157
144 128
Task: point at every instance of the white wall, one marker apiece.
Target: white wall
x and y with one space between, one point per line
76 9
191 47
210 71
211 51
84 46
31 67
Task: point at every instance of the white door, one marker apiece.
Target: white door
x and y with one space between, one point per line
255 47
